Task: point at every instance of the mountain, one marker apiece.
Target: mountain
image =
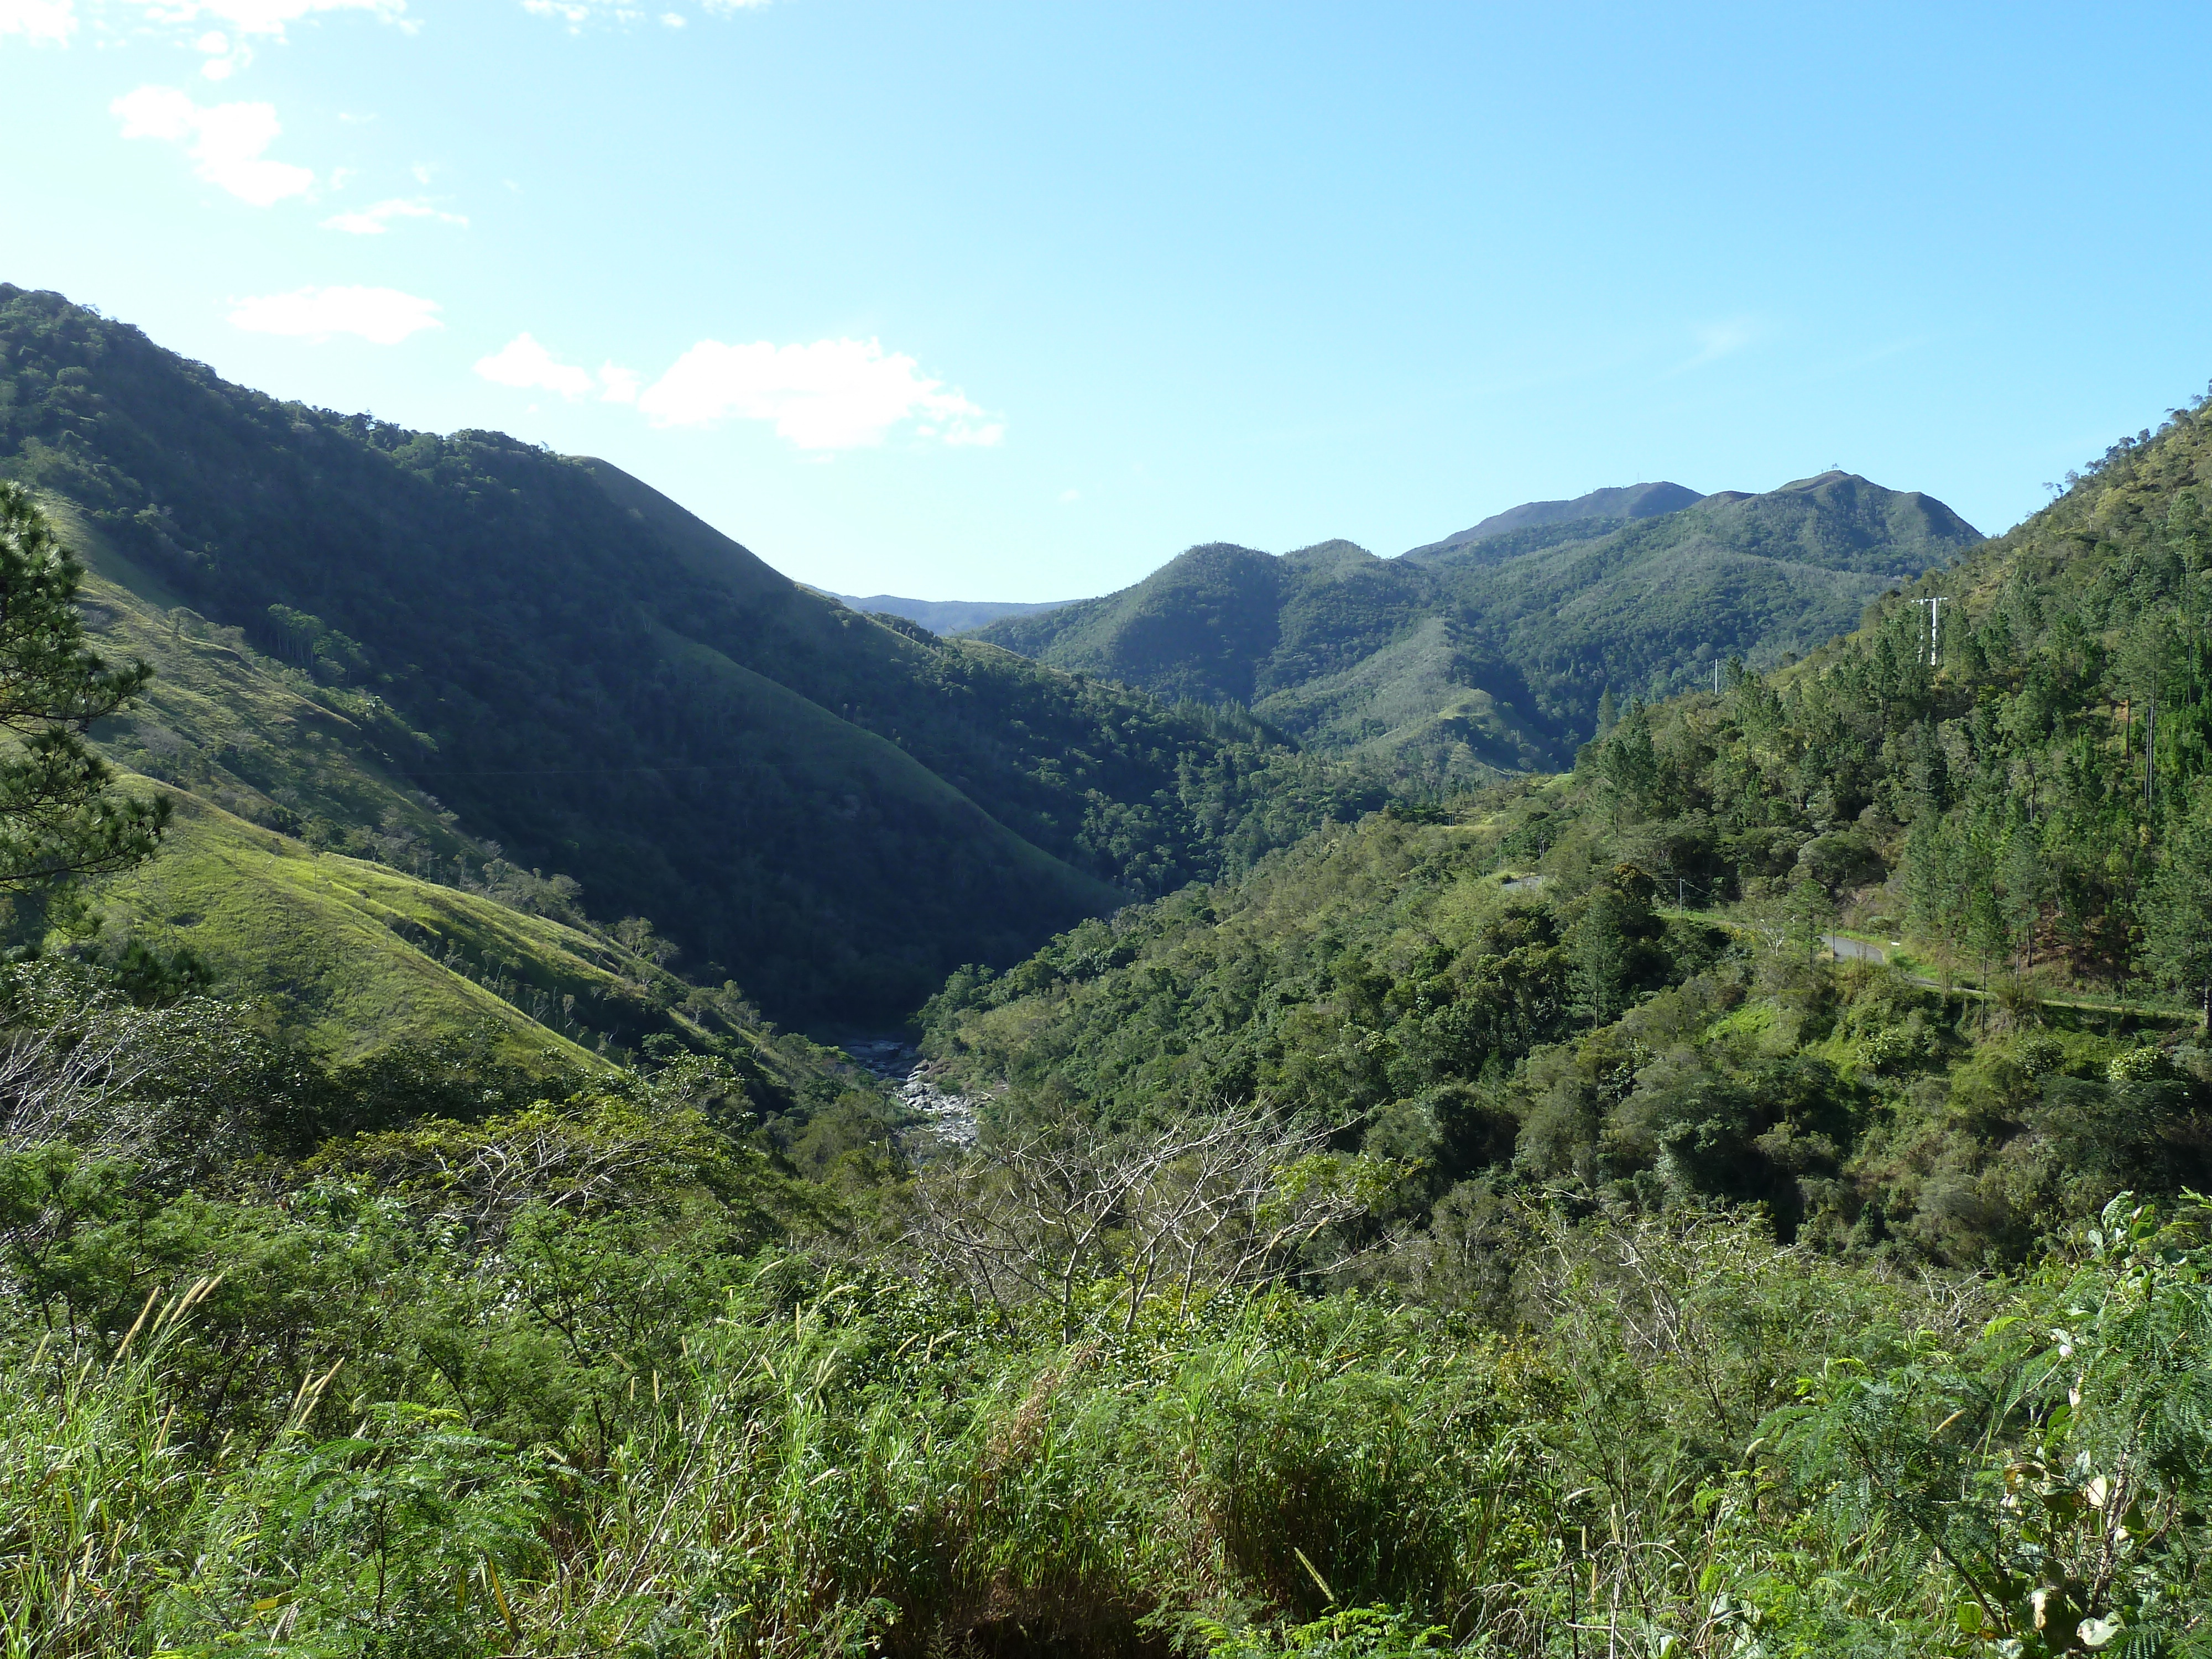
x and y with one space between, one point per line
299 870
1490 650
1609 508
1225 624
1430 1240
944 615
1607 982
829 810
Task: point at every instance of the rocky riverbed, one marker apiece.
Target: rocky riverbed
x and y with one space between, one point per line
938 1120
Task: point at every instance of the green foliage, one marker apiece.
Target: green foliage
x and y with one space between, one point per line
1489 654
58 817
2177 911
1694 1441
1353 1634
599 686
2055 1464
407 1358
1386 980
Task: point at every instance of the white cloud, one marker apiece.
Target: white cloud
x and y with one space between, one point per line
577 13
372 220
267 17
523 362
617 385
1069 497
40 20
382 316
225 142
224 59
833 394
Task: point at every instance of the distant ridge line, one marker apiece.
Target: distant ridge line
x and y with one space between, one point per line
1621 502
946 615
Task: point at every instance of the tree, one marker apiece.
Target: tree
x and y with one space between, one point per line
2177 911
1230 1198
1606 943
57 818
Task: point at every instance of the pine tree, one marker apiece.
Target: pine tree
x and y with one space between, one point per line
2177 911
58 817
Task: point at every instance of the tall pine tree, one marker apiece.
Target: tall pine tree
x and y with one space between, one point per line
58 815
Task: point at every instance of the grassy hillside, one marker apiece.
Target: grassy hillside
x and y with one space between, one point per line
305 873
827 808
1492 650
359 957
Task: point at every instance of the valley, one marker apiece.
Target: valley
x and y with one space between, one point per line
592 1098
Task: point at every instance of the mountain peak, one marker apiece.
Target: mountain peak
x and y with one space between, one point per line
1620 504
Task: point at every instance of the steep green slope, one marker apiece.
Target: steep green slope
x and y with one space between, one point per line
1541 610
1510 997
1225 624
562 638
421 933
1648 608
357 958
1435 701
1608 508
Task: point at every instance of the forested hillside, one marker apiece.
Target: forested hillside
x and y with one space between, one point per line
1739 1196
1490 650
614 693
1583 518
1517 991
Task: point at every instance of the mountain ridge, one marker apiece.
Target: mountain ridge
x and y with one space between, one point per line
1545 612
944 615
616 692
1620 502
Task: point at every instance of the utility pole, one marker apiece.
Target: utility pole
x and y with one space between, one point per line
1935 607
2151 754
1717 677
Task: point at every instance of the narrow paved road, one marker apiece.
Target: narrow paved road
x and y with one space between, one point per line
1853 949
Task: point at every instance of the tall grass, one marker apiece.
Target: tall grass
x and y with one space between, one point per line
844 1462
98 1501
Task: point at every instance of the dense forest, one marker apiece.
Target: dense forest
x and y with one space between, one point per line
1740 1195
615 693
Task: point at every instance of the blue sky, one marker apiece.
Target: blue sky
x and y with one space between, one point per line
987 300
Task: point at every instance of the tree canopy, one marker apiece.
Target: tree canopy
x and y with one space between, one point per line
58 817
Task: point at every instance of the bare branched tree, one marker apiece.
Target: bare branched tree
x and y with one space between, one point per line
556 1156
1230 1198
74 1087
